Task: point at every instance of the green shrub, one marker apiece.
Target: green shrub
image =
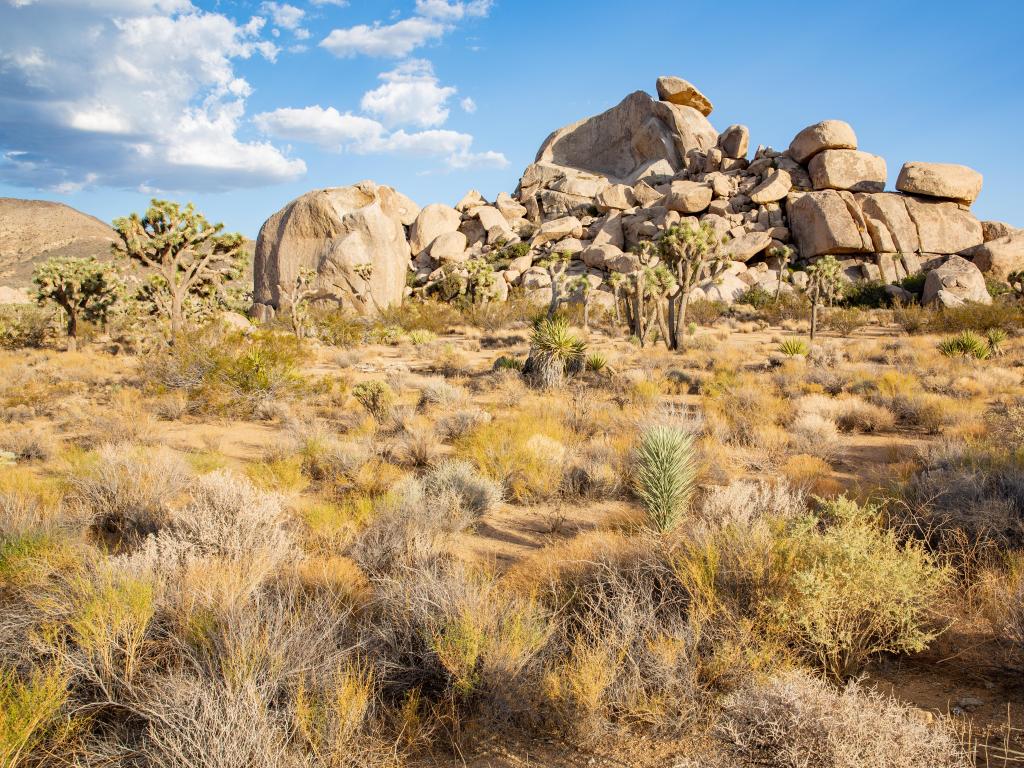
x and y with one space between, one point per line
790 306
866 293
596 362
665 475
421 315
376 397
757 297
221 370
704 312
337 327
845 320
507 363
914 283
25 325
856 590
1001 313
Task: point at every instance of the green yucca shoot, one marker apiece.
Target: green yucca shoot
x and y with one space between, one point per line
793 347
665 475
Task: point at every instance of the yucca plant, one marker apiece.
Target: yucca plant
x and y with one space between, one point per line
965 344
596 362
996 338
555 353
793 347
665 475
507 363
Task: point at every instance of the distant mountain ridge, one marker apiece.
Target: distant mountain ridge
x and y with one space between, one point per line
32 231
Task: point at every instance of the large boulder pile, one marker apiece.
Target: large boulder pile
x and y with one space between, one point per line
602 185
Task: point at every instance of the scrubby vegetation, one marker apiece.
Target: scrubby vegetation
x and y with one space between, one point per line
396 540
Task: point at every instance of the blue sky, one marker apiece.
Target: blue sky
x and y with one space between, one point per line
242 106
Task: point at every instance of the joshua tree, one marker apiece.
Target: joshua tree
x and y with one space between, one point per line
693 255
185 250
555 353
783 253
556 264
297 296
823 285
581 286
83 288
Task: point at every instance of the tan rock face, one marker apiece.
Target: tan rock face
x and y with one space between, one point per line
745 247
735 141
449 247
1000 258
946 180
688 197
335 231
993 230
889 224
558 229
772 189
828 134
432 221
828 222
848 169
955 282
943 227
675 90
617 197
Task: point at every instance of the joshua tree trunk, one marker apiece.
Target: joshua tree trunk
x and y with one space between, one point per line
72 327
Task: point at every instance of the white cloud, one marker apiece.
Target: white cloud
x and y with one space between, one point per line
315 125
411 95
114 92
363 136
394 40
468 105
452 11
337 3
284 15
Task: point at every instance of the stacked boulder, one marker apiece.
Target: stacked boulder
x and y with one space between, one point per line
601 186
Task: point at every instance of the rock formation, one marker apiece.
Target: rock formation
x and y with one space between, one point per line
353 237
604 184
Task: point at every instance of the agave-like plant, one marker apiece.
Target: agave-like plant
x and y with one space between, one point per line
965 344
996 337
597 362
665 475
555 353
793 347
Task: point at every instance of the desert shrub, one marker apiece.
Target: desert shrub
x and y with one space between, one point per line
704 312
596 362
855 415
228 371
507 363
857 591
456 483
523 452
971 316
913 318
336 327
32 722
595 470
757 297
126 492
741 406
417 448
28 443
976 489
496 315
438 317
664 475
845 321
376 397
814 434
791 306
25 325
793 347
865 293
455 425
459 639
437 391
796 720
421 336
555 353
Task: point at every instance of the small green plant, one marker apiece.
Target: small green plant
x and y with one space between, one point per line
665 475
793 347
555 353
965 344
507 363
421 336
24 325
996 337
596 362
376 397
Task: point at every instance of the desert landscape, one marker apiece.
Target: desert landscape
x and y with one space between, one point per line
685 452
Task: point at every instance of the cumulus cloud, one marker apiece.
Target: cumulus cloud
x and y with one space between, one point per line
411 95
351 133
284 15
468 105
433 18
118 92
394 40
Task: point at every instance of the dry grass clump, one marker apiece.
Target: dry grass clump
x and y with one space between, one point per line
125 492
739 406
523 452
796 720
439 392
461 422
28 443
814 434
